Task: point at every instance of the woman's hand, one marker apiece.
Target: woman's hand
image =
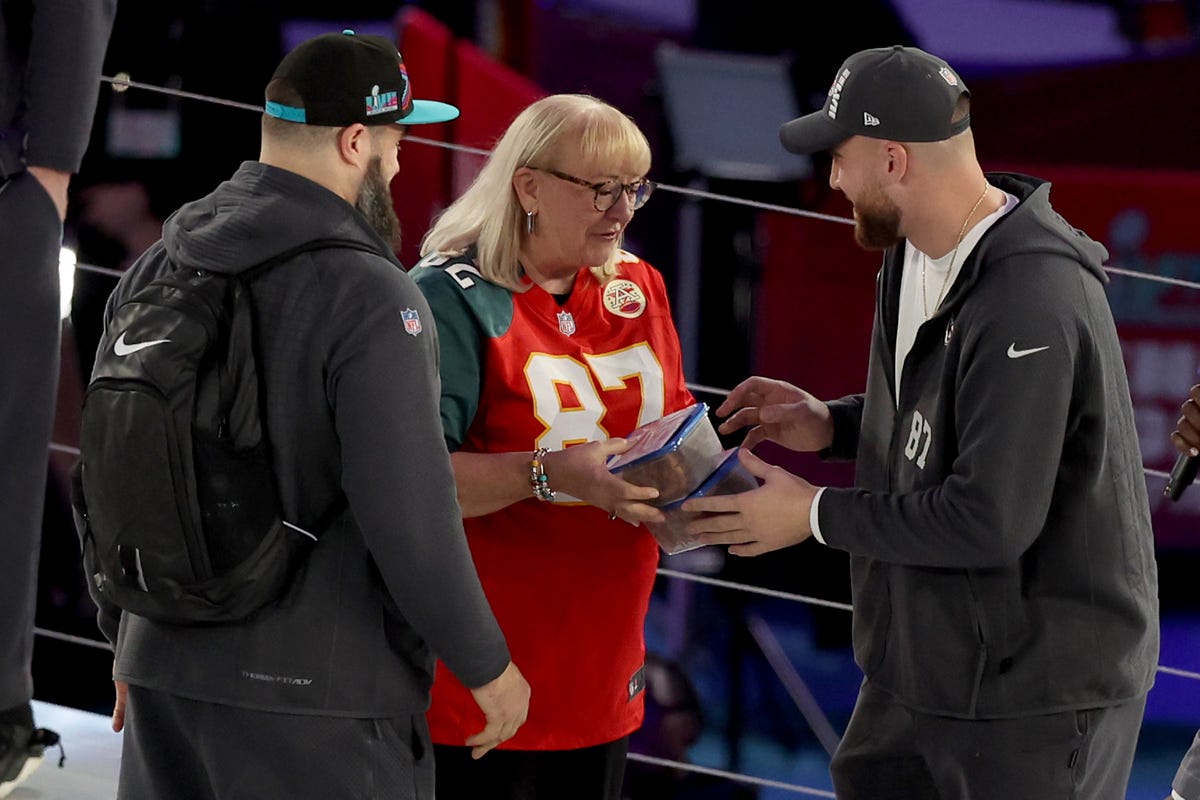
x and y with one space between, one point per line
581 472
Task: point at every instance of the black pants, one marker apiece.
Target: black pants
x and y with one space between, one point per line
189 750
30 239
590 773
890 752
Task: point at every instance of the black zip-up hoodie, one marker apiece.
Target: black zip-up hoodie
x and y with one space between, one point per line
352 404
1001 552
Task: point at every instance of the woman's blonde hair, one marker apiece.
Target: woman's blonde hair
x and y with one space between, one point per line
489 214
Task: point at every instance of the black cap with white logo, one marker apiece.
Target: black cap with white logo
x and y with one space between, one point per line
899 93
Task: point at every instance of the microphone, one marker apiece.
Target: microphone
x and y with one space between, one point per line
1182 475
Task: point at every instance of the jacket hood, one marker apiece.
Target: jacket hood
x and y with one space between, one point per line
1033 227
258 213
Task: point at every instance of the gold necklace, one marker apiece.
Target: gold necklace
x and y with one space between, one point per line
962 232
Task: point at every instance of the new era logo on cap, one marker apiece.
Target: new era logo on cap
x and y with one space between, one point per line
898 93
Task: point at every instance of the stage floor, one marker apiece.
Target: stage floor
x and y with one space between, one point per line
93 757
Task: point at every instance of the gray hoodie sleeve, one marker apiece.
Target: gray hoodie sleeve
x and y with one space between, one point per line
396 472
62 80
1187 779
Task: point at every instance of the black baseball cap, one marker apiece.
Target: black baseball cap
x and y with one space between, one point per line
899 93
343 78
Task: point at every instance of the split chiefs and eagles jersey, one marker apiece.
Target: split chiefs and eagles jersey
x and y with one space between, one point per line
569 586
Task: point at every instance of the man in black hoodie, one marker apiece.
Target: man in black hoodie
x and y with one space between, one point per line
1004 584
50 57
323 693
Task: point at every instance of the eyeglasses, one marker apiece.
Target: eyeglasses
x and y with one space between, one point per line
607 192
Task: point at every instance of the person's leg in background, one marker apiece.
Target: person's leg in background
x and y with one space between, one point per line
30 240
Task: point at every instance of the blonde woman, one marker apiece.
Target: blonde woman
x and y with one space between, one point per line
554 341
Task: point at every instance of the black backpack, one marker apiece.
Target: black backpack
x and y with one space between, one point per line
175 495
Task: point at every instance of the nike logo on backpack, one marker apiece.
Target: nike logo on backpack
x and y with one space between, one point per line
122 349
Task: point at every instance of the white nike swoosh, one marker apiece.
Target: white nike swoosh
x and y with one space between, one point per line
122 349
1013 352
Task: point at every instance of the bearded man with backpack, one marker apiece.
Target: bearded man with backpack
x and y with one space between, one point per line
317 686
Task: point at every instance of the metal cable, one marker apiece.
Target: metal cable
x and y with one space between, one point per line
80 640
797 598
733 776
123 83
1149 276
1179 673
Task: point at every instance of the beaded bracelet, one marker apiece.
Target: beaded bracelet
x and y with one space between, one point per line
539 482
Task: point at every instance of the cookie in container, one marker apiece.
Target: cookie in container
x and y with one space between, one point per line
674 454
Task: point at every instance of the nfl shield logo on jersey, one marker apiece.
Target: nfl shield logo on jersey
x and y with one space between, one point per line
412 321
566 323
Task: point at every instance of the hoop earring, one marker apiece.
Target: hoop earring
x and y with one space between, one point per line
529 215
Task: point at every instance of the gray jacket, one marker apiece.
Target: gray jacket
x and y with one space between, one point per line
1001 551
50 57
352 405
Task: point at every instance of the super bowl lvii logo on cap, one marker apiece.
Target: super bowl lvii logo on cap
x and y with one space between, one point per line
382 103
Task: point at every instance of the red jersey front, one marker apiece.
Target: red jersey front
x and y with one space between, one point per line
569 586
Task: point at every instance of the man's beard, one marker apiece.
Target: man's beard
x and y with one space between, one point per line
375 203
876 220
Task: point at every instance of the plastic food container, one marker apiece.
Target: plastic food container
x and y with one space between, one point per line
673 454
730 477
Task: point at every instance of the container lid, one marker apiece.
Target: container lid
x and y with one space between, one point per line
663 435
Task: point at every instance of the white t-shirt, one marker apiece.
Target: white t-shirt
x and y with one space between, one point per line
938 272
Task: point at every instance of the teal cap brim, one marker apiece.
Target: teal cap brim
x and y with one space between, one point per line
428 111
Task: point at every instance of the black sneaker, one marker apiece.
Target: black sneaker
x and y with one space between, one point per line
22 747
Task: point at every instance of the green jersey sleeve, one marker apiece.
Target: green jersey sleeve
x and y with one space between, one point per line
468 310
